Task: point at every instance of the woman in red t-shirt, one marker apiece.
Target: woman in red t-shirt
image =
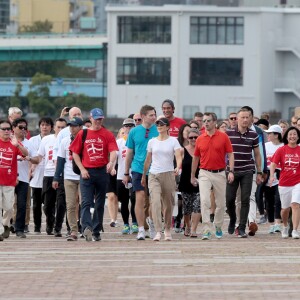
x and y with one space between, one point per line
288 157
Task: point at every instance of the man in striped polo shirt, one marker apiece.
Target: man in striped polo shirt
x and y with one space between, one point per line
244 141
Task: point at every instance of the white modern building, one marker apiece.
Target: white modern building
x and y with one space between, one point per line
204 58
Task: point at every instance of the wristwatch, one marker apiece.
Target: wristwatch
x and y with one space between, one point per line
230 171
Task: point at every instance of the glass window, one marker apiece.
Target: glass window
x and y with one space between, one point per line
217 30
216 71
189 110
215 109
144 30
231 109
156 71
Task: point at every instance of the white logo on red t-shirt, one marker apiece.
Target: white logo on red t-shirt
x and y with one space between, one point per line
6 158
291 162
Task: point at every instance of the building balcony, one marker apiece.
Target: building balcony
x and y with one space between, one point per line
289 45
288 85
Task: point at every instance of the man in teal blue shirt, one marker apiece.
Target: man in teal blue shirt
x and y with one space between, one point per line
135 157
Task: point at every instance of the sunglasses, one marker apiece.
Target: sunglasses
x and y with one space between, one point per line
21 127
137 120
207 120
128 125
147 133
158 124
193 137
5 128
233 119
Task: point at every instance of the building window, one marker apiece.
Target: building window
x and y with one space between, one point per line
144 70
216 71
217 30
144 30
232 109
189 110
215 109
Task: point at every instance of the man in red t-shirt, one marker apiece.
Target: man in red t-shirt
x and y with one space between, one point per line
210 149
95 159
168 109
10 148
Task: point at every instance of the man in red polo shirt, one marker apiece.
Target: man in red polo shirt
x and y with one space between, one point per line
211 149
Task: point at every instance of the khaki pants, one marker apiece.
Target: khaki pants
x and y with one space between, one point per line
72 191
218 182
7 198
162 189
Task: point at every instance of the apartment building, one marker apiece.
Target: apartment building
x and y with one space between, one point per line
204 58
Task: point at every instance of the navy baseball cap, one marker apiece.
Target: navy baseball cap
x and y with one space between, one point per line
75 122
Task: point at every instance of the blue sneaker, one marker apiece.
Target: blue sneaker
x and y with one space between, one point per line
219 233
134 228
206 235
126 229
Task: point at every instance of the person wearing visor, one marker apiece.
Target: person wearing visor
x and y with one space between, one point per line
124 192
162 185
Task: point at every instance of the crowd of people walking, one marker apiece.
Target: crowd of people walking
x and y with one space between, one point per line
242 166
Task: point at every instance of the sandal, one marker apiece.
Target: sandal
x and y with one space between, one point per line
193 235
187 231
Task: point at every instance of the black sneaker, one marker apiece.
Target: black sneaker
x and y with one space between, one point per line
231 227
12 229
57 234
21 235
96 238
49 231
37 230
112 224
242 233
26 229
6 232
1 238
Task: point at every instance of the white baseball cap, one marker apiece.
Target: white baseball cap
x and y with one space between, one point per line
274 128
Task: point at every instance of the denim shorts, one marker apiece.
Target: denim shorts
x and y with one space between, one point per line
136 181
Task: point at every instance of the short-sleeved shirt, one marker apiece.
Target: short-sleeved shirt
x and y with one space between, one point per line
138 139
8 163
162 154
175 125
289 160
97 146
243 144
212 150
64 152
46 151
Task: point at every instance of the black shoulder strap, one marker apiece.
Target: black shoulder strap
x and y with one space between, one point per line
84 135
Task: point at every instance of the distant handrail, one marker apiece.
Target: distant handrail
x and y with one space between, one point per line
54 80
28 35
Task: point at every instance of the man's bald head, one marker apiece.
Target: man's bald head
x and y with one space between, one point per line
75 112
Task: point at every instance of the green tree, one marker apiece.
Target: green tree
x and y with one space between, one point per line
38 26
39 95
15 100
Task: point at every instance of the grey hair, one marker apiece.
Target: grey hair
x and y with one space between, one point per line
194 130
14 110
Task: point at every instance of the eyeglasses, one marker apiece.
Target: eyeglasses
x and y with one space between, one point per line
193 137
21 127
138 120
147 133
128 125
207 120
233 118
5 128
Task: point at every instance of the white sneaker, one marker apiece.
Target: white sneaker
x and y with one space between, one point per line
272 229
295 234
285 232
147 234
157 237
151 228
141 235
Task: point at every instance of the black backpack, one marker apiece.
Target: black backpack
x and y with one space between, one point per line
75 168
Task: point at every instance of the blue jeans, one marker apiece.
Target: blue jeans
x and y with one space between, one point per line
245 181
21 193
93 188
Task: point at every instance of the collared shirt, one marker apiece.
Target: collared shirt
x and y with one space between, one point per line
243 144
212 150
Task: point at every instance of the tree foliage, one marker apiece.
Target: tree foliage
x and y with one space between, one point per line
38 26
